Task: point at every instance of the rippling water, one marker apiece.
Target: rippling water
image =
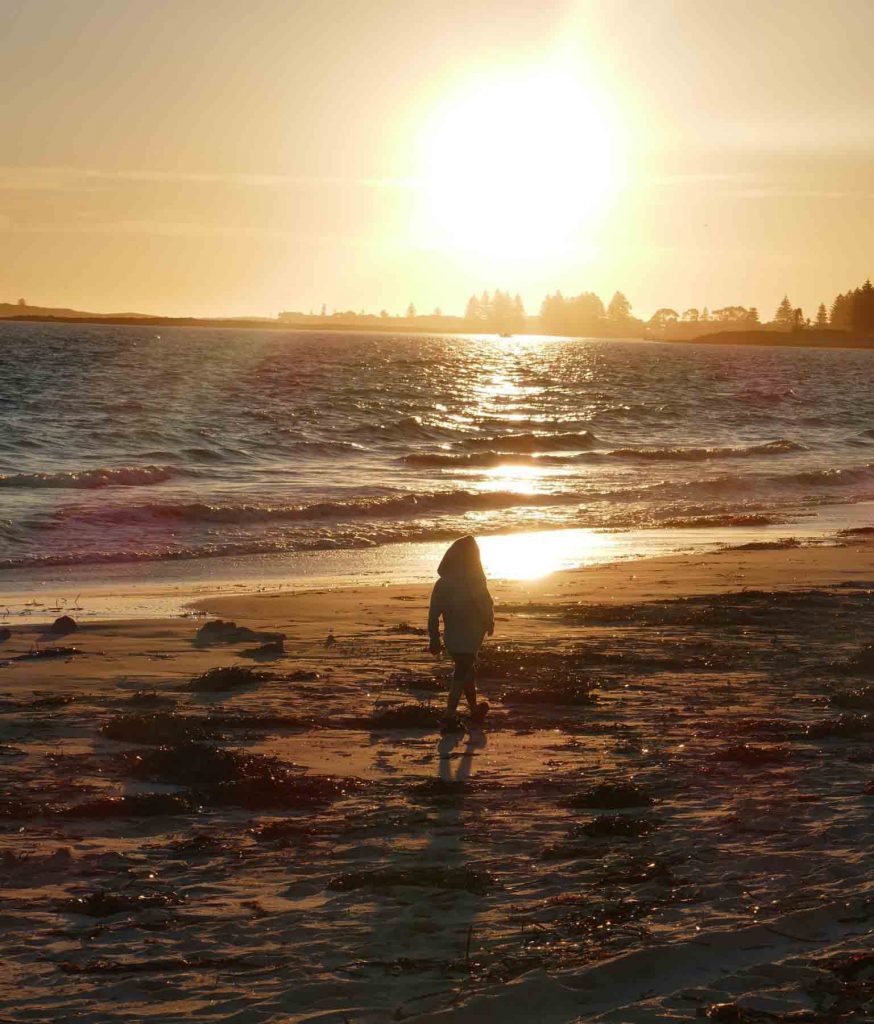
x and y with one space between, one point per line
117 444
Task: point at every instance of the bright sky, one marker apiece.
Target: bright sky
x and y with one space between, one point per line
213 157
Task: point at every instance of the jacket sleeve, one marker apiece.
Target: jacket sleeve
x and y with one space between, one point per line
435 610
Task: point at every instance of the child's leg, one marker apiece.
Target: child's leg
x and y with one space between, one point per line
470 684
462 682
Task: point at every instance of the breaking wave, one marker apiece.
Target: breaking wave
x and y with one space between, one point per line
128 476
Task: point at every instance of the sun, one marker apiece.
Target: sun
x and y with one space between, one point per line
518 164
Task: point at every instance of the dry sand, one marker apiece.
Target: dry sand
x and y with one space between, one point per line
385 874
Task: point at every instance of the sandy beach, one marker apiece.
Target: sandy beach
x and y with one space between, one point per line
668 815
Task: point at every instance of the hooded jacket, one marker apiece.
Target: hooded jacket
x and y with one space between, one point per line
461 596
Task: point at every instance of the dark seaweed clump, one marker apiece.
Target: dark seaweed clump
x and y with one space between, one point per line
47 653
22 809
218 631
861 663
569 693
467 878
165 965
285 831
615 825
149 699
132 805
412 681
843 727
159 729
747 754
549 678
611 796
859 699
222 680
224 777
106 902
405 716
438 790
201 844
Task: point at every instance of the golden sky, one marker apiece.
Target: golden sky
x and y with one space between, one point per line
213 157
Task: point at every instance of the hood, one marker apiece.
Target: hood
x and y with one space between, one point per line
462 560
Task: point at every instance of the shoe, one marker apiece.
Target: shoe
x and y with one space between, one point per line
482 709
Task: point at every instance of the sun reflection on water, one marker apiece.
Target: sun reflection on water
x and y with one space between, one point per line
528 556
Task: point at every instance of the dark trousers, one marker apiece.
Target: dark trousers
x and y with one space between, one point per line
463 681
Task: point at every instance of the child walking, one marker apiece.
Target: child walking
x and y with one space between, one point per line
461 596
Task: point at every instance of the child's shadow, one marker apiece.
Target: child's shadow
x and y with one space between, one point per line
445 748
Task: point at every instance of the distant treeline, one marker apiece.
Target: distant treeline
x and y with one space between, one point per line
499 312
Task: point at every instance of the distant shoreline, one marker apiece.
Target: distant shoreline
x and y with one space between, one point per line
785 339
781 339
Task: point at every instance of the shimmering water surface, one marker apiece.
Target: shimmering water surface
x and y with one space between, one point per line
119 445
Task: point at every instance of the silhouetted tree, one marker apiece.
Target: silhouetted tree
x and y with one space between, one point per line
619 310
753 315
841 314
729 313
662 317
691 315
785 315
863 308
411 311
822 316
797 319
579 316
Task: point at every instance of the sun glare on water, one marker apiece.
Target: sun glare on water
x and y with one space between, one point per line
518 165
528 556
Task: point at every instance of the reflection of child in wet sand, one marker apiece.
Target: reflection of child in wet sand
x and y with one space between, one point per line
461 596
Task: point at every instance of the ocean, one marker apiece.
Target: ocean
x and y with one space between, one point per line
123 445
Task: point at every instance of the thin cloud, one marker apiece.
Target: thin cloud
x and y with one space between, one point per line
65 179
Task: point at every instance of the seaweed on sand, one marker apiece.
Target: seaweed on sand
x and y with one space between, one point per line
131 805
614 825
47 653
861 663
265 652
567 851
223 777
639 872
223 680
413 681
859 699
247 720
405 716
218 631
149 699
166 965
549 677
464 877
747 754
438 790
202 844
406 628
285 831
24 809
611 796
842 727
159 729
570 693
106 902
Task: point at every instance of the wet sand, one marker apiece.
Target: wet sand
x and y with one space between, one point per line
670 807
